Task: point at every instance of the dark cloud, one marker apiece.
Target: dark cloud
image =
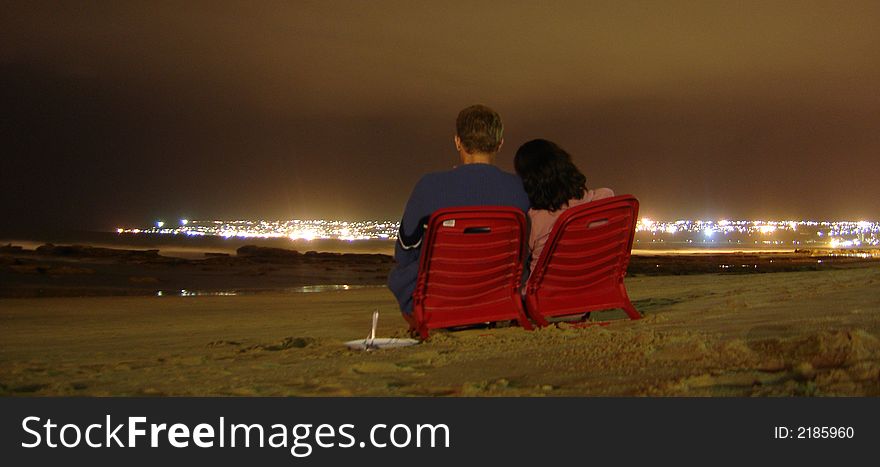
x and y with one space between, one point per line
122 112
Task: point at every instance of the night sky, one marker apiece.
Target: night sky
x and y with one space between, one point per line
124 113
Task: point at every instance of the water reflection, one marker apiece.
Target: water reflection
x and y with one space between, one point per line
323 288
228 293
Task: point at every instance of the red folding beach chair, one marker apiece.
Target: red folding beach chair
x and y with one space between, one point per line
470 268
583 263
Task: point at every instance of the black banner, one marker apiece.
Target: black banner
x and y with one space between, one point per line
369 431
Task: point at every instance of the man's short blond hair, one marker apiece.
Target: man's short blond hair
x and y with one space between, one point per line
480 129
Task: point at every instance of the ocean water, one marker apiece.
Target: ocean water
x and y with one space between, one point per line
284 290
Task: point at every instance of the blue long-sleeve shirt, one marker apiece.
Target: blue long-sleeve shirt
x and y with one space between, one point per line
465 185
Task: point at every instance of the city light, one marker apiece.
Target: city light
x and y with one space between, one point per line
692 233
761 233
296 229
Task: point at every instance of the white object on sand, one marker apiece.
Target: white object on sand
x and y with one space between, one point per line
380 343
371 342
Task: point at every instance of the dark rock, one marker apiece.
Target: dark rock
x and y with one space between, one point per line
10 248
81 251
253 251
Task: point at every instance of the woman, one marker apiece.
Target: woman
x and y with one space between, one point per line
553 184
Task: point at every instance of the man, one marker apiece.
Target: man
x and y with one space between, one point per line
476 182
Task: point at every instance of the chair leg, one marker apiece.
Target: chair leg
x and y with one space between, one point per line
521 316
540 320
415 327
524 322
423 332
631 311
411 320
531 311
627 304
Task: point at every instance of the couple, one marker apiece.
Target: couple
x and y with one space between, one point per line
547 184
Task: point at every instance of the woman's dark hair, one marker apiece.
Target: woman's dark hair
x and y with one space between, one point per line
548 175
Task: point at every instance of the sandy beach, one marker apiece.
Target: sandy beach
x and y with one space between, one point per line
801 333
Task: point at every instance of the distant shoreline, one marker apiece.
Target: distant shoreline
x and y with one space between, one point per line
193 247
